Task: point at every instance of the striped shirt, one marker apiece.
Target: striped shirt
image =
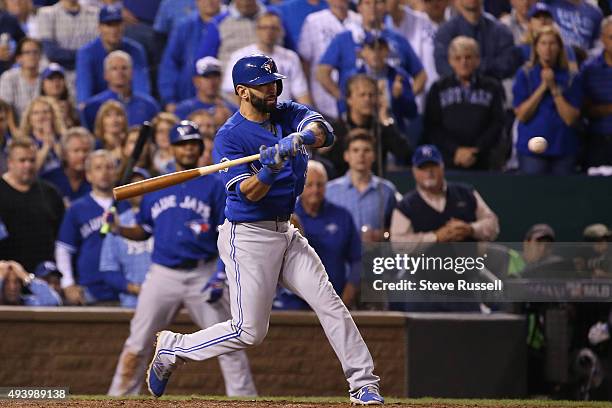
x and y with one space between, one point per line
68 30
236 32
17 91
318 31
364 206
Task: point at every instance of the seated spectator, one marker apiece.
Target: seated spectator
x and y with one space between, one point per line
25 13
343 51
395 85
438 210
269 31
69 179
578 21
547 102
5 133
540 15
518 18
90 57
21 288
207 82
234 31
596 78
118 74
79 242
53 84
331 231
368 111
369 199
498 58
65 27
111 127
42 121
174 82
48 272
318 31
163 156
464 112
31 210
10 34
123 262
19 85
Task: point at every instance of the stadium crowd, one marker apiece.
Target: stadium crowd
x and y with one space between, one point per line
426 85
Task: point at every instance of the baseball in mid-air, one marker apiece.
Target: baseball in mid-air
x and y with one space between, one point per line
537 144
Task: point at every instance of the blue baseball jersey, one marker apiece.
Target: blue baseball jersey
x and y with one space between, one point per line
130 258
58 178
79 233
240 137
183 220
546 121
334 237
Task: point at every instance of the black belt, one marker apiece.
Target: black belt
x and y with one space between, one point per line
280 218
191 263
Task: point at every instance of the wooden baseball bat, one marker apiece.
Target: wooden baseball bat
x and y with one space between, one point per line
167 180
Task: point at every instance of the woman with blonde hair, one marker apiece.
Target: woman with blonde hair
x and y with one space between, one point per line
111 127
547 102
163 157
43 121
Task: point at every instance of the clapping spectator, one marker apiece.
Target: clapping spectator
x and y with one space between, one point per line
42 121
547 101
464 111
90 57
596 78
118 73
76 144
19 85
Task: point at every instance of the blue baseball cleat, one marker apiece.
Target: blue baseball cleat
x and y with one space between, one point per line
159 370
367 395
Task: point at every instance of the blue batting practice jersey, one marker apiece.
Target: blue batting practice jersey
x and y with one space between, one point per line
183 220
79 233
240 137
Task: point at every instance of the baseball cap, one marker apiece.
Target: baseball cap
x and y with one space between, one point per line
45 269
539 8
596 232
184 131
144 173
207 66
53 69
110 14
539 231
426 154
373 40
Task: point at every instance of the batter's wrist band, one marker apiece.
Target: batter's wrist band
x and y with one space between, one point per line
266 175
308 137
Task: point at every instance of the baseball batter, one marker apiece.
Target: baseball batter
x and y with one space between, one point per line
183 220
256 242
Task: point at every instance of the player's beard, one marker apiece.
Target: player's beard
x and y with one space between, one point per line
260 103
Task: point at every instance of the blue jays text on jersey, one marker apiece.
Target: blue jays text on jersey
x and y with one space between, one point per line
184 219
240 137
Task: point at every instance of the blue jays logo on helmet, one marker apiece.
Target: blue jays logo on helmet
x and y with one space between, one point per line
184 131
257 69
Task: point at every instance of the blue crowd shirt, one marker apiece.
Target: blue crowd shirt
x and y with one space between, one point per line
579 24
546 121
597 83
139 107
58 178
293 13
188 106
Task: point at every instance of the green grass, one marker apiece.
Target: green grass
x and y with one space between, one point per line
337 400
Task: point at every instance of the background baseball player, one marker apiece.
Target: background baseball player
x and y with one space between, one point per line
258 245
183 220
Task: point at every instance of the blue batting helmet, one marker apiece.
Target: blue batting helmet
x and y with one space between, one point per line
257 69
186 130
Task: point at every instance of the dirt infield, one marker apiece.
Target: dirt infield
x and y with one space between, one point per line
199 403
